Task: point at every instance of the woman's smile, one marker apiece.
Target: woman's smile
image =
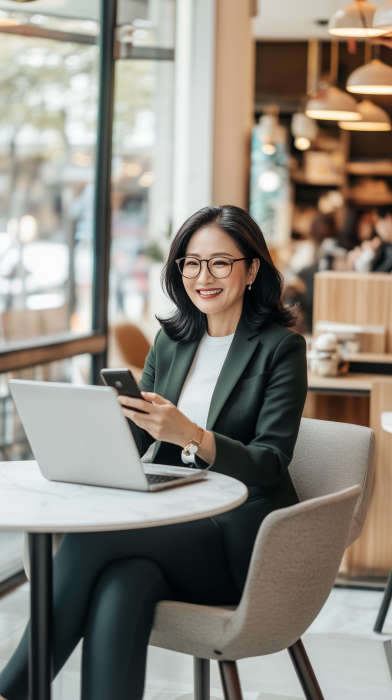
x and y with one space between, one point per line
209 293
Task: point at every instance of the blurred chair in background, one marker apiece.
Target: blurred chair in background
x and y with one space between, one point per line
131 347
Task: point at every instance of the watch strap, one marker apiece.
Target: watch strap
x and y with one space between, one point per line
194 443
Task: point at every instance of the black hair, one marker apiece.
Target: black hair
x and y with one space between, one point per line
262 302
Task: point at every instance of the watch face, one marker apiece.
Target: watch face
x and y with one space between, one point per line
192 449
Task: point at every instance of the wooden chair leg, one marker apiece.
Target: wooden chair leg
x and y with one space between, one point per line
201 678
230 680
386 601
305 673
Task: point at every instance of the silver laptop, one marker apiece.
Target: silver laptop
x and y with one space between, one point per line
79 434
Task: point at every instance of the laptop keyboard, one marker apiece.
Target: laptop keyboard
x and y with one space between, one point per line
161 478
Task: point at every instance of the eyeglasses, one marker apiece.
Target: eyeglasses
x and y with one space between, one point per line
219 267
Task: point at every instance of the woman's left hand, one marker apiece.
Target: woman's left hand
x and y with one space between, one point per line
162 420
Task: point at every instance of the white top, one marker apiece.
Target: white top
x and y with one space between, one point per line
196 394
29 502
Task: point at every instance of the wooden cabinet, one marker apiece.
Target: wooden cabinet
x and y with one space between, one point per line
353 297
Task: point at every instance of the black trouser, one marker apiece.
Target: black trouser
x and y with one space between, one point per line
105 587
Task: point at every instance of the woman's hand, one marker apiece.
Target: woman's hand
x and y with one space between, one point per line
163 421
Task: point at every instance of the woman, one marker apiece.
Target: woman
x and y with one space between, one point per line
227 374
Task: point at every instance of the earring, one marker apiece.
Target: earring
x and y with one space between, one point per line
250 286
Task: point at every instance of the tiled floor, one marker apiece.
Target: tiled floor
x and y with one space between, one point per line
350 660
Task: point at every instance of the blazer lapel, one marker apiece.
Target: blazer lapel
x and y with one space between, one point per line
241 350
183 356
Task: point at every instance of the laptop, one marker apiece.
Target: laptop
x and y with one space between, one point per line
79 434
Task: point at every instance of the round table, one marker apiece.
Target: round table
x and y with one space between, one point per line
386 424
41 507
386 421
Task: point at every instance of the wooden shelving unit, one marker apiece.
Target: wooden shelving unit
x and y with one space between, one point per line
369 168
367 198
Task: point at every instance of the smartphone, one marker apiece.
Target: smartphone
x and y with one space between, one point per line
125 383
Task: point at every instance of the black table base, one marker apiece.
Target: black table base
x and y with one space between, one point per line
41 597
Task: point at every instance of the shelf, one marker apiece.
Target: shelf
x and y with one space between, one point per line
373 357
350 382
298 176
366 197
377 167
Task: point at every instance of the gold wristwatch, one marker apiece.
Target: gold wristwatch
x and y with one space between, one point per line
194 444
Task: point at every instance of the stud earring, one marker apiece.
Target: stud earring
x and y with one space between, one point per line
250 286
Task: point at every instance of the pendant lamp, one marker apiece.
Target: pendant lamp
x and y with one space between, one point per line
333 104
374 78
354 20
382 19
373 119
304 130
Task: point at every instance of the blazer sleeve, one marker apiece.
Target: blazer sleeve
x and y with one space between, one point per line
142 438
265 460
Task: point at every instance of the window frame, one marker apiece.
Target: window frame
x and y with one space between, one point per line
36 351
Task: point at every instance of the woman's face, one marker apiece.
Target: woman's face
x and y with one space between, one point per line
211 295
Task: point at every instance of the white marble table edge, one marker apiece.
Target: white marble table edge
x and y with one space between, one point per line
124 525
386 421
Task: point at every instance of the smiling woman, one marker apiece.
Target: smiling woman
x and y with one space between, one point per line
226 385
222 243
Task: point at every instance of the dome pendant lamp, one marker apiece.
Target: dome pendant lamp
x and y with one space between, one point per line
374 78
382 19
333 104
354 20
373 119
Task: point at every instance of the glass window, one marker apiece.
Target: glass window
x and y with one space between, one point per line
48 97
142 168
13 441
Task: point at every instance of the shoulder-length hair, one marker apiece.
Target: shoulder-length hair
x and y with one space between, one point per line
262 302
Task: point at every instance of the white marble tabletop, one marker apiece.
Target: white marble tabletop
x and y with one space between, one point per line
30 502
386 421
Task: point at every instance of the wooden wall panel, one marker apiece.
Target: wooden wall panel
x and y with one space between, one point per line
338 408
372 552
363 298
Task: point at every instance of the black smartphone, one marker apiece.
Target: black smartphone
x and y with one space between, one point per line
125 383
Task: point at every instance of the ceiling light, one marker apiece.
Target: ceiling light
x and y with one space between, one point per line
373 119
333 104
354 20
374 78
302 127
269 149
382 19
302 143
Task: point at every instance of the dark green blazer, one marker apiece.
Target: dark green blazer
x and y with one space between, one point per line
254 415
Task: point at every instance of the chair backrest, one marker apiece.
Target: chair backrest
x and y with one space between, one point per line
293 568
330 457
132 343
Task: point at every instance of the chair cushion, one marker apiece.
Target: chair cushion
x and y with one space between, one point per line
198 630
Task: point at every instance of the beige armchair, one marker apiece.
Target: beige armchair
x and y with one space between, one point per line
293 568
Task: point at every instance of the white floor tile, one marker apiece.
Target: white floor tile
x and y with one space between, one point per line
348 658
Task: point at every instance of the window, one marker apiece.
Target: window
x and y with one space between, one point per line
48 95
